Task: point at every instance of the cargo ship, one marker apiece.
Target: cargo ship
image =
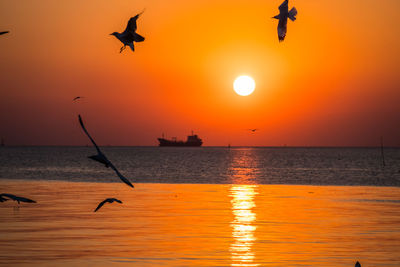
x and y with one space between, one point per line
192 140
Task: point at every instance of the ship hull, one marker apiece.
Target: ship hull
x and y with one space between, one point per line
165 142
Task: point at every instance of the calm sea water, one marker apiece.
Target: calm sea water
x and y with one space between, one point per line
210 165
199 225
201 207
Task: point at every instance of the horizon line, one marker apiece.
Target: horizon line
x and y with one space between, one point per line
217 146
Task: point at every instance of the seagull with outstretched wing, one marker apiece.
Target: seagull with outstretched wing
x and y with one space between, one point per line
100 157
4 196
284 14
108 200
129 36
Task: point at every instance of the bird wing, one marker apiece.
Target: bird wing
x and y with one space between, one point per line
2 199
282 28
101 204
91 139
10 196
132 26
4 32
24 199
121 176
116 200
16 198
284 7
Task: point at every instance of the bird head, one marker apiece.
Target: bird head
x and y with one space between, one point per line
114 33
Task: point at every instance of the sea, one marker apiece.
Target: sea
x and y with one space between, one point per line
205 206
207 165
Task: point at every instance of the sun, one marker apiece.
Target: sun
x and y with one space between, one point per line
244 85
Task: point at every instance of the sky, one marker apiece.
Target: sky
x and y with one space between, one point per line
334 81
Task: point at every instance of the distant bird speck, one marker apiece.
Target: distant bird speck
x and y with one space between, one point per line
129 36
15 198
1 33
253 130
100 157
78 97
284 14
109 200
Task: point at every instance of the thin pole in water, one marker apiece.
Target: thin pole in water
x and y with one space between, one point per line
383 156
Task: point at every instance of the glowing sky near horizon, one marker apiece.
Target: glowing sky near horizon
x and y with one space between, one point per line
333 81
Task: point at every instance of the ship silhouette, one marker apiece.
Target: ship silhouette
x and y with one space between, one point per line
192 140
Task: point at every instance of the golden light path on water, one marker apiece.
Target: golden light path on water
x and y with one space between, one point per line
243 225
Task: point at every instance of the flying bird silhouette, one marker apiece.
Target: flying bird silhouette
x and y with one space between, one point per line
109 200
129 36
253 130
100 157
1 33
15 198
284 14
78 97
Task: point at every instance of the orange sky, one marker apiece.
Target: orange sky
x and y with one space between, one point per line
334 81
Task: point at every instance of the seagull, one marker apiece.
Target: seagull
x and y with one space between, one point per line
76 98
100 157
1 33
129 35
253 130
15 198
109 200
284 14
357 264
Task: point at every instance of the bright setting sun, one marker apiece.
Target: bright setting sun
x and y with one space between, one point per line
244 85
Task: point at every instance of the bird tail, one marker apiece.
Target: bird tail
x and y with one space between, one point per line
292 14
137 37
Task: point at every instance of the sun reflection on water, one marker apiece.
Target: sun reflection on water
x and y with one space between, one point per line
243 224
